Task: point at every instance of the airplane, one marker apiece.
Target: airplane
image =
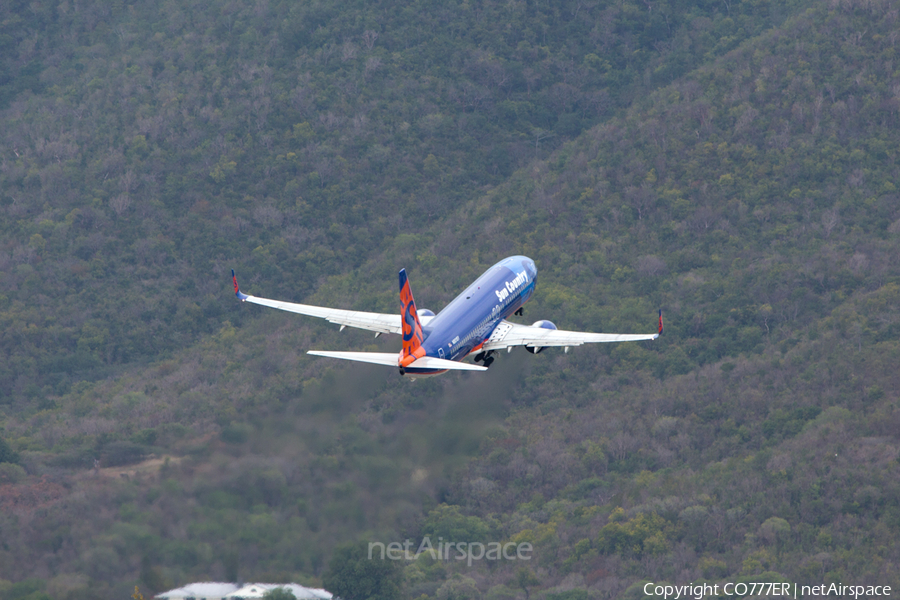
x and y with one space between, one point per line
474 323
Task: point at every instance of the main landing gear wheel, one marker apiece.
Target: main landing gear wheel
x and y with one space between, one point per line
484 356
488 361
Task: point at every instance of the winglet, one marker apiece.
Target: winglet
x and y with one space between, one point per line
412 327
237 291
660 323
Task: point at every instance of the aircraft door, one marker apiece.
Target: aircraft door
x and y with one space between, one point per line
441 352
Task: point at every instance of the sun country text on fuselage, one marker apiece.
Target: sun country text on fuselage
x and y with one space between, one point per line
470 318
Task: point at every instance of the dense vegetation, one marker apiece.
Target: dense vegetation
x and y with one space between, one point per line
158 147
731 162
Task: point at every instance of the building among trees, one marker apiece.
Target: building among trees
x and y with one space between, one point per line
206 590
258 590
232 591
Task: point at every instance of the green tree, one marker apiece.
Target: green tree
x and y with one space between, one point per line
279 593
7 454
526 579
646 534
446 521
27 589
353 575
11 473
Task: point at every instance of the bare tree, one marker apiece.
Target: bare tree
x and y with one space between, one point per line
830 220
348 51
372 64
369 38
120 204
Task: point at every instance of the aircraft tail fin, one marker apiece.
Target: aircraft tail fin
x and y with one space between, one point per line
412 327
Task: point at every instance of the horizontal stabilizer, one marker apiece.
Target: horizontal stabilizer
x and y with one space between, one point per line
392 359
427 362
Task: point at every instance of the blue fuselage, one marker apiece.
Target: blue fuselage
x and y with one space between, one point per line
468 321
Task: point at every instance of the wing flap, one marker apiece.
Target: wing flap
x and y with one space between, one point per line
379 322
526 335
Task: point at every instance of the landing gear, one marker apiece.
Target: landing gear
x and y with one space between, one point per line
520 312
486 357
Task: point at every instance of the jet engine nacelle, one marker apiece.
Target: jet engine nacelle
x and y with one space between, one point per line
544 325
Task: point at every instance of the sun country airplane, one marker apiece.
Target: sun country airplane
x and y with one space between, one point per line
473 323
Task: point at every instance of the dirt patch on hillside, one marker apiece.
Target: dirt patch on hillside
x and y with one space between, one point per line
26 497
151 466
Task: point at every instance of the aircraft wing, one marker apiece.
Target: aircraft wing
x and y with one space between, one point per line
507 335
379 322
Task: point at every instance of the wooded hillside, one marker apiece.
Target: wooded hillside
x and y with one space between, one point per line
730 162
